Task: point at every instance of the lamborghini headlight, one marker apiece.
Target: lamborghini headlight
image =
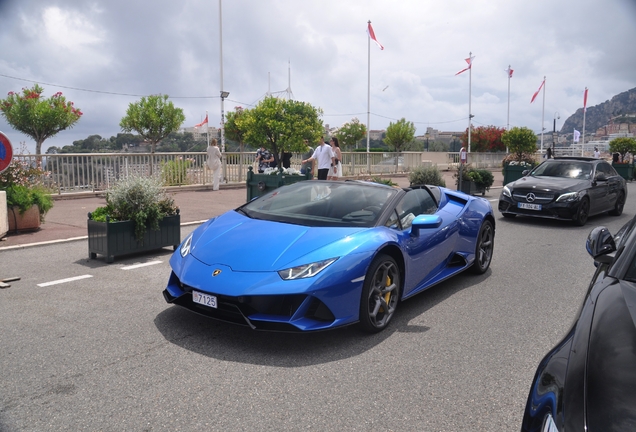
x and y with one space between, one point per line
506 192
185 246
306 270
570 196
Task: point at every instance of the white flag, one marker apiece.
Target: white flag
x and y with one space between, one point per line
576 136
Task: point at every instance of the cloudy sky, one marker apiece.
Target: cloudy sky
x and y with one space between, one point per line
105 54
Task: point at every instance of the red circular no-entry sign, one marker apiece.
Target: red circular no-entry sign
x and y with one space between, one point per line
6 152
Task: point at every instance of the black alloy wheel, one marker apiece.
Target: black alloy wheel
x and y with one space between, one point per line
380 294
620 204
484 248
583 213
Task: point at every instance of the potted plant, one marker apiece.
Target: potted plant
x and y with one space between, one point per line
473 180
623 166
28 200
426 175
270 179
521 143
138 216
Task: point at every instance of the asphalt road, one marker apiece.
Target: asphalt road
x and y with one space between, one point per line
105 352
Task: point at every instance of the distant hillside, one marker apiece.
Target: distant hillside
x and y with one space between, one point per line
599 115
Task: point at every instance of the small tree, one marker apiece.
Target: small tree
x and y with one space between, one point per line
153 118
280 125
521 143
400 134
37 117
350 133
232 130
485 139
623 145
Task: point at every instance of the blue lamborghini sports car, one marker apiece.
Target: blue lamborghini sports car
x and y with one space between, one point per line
316 255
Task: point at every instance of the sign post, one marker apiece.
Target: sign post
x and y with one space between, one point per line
6 155
6 152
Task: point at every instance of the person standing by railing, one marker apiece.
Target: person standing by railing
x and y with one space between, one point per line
214 163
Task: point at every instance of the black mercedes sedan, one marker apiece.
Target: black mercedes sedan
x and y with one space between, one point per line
571 188
588 381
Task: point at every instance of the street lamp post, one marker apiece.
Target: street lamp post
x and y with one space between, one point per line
224 94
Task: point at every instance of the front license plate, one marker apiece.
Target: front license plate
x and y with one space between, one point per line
528 206
204 299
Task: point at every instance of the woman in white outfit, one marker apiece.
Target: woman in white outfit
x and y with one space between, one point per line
335 172
214 163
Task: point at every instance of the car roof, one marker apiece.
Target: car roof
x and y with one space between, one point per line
578 158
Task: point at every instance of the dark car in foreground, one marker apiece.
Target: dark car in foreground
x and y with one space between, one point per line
568 188
316 255
588 381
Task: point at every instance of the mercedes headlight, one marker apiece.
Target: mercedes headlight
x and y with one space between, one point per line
570 196
185 246
306 270
506 192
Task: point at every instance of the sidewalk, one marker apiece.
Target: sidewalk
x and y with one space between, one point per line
66 221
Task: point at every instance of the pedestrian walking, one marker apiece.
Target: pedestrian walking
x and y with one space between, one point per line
335 172
214 163
324 157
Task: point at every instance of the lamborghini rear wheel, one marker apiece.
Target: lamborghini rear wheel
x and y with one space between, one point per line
484 248
380 294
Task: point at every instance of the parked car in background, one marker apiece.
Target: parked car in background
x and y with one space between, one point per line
566 188
317 255
588 381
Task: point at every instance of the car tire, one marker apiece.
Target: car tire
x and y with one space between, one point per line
582 213
380 294
620 204
484 248
508 215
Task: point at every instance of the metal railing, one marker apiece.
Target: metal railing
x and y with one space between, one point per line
77 172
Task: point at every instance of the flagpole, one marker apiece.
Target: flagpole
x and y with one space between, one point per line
368 99
584 111
542 115
508 121
470 77
207 128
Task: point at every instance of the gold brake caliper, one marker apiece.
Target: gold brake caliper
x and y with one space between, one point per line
387 296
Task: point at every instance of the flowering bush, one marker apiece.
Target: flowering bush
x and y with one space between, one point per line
285 171
38 117
23 182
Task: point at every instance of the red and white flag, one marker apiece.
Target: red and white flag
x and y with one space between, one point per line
585 100
510 71
371 34
534 96
470 65
204 122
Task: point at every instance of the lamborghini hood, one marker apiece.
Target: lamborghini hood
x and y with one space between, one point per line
246 244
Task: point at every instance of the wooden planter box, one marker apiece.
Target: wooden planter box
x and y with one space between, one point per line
261 184
27 221
513 173
113 239
470 187
624 170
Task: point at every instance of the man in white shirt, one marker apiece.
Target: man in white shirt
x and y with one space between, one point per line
325 156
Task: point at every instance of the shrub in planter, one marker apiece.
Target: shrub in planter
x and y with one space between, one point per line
141 200
482 178
426 176
23 184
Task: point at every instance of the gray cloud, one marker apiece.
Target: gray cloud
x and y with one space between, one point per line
120 49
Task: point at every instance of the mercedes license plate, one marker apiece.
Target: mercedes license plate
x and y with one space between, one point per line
204 299
529 206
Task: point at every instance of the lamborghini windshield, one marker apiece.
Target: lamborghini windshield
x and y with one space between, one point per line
323 203
565 169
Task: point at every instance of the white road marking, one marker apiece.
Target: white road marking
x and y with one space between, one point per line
134 266
59 281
